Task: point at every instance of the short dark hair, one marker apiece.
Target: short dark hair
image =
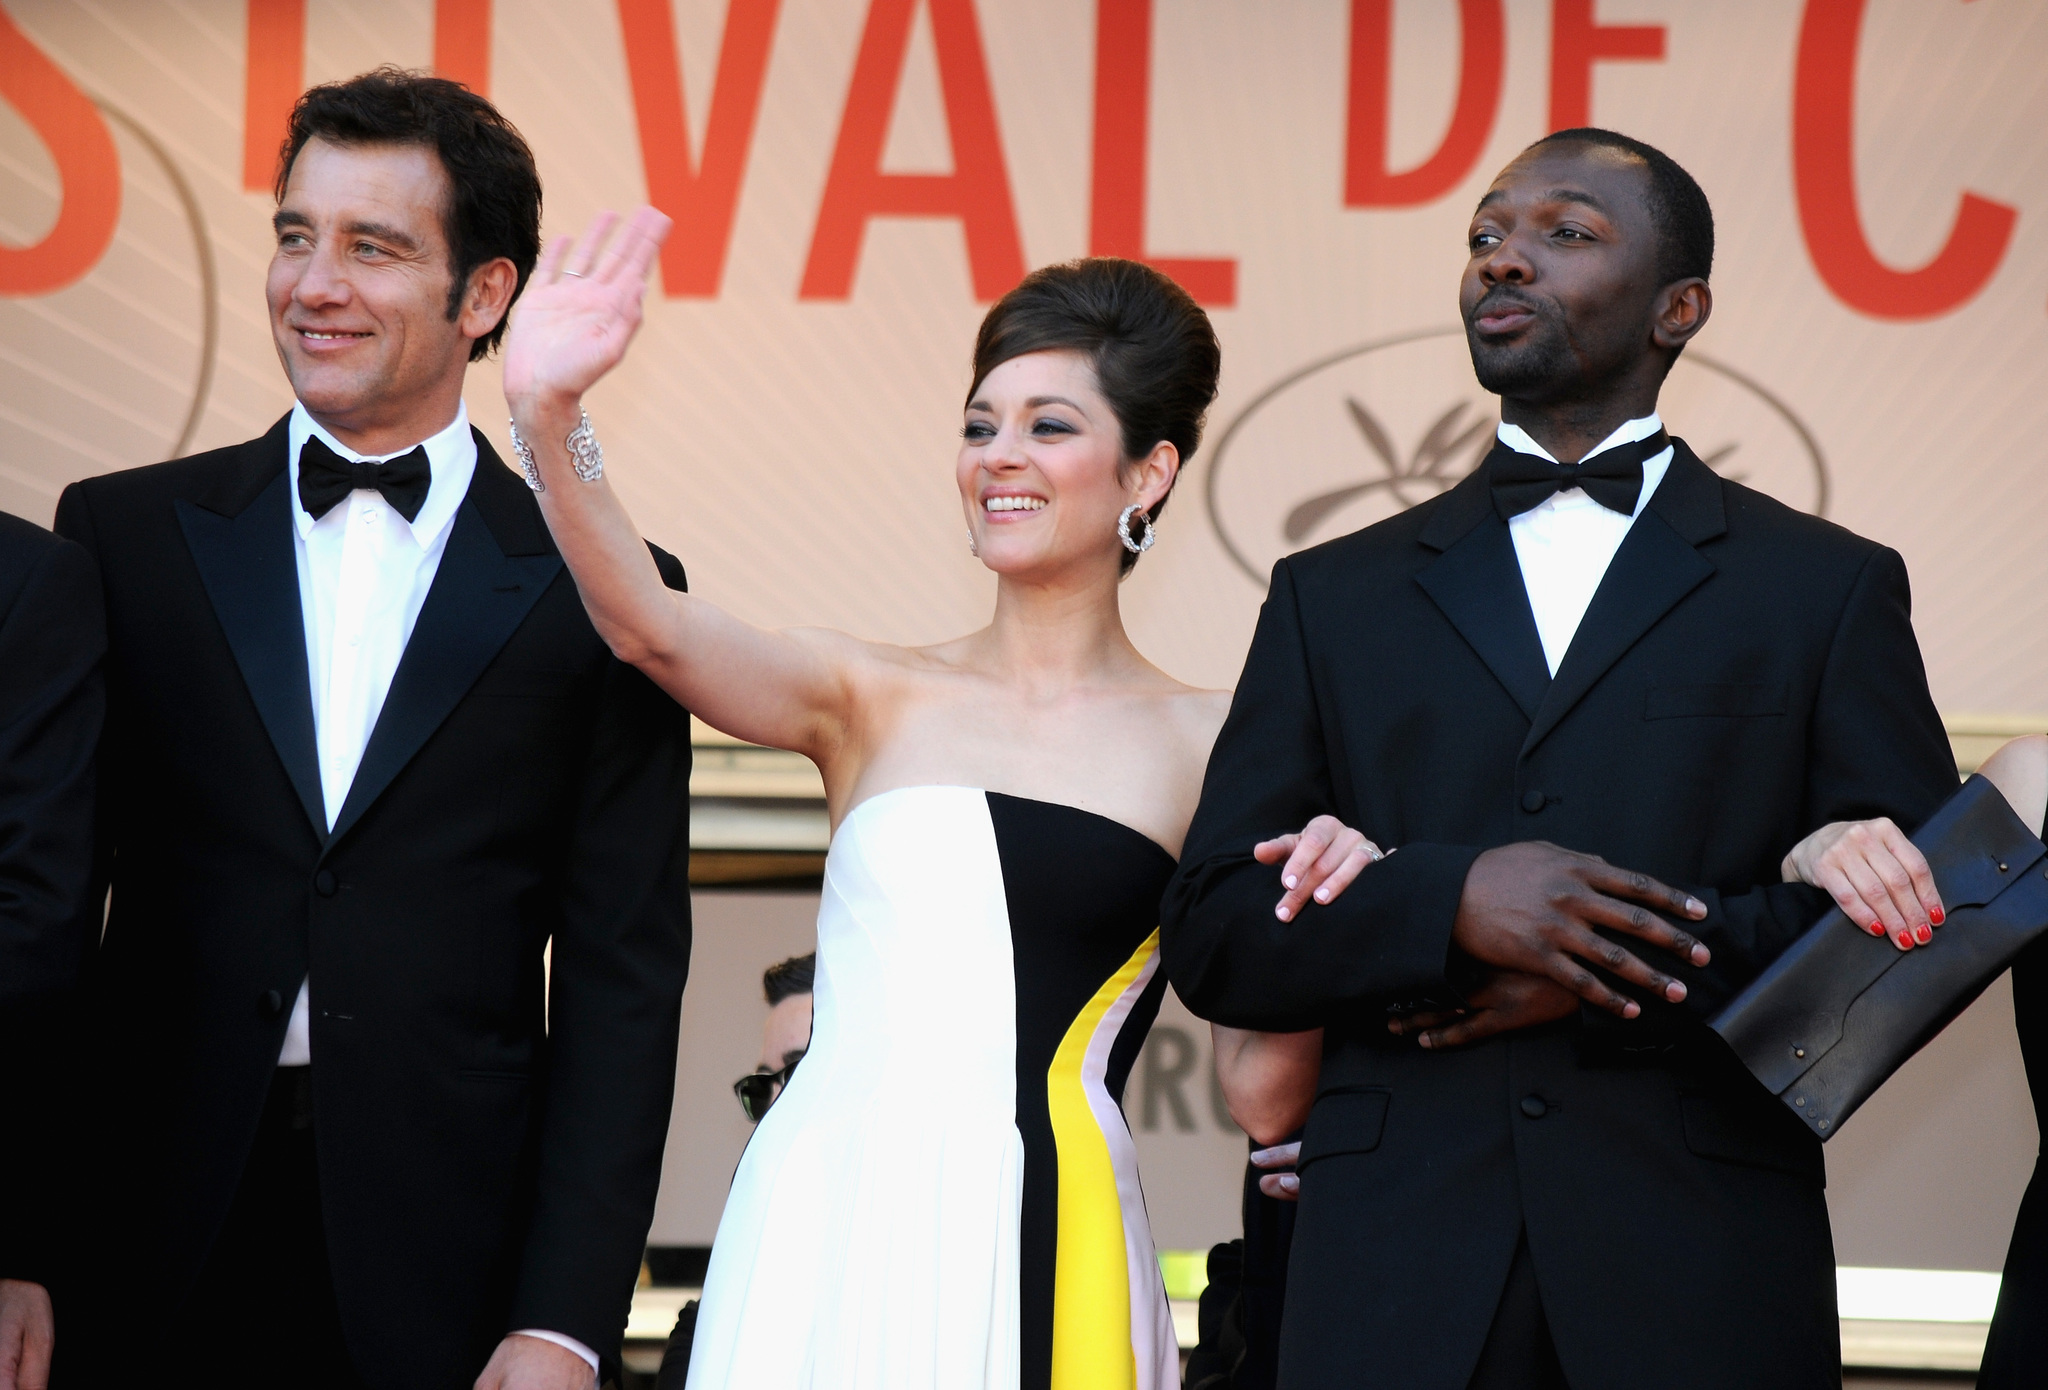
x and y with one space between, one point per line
494 189
1678 205
1153 349
789 978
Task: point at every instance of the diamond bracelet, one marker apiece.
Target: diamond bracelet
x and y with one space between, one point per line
585 455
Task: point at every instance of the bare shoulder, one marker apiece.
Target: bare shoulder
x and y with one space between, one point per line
1200 713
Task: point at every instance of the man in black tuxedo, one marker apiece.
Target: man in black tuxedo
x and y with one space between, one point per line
52 702
1569 1181
366 760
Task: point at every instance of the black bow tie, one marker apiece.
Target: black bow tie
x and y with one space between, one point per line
325 477
1613 477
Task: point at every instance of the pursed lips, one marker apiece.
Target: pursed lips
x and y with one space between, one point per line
1502 315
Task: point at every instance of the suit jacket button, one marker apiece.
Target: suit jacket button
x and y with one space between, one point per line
1534 1108
272 1003
324 884
1532 801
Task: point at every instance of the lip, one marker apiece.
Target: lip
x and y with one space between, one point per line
1504 319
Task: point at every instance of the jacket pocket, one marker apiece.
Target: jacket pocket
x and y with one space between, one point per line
1715 700
1758 1135
1345 1122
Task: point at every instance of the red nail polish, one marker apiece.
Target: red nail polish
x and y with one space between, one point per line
1923 934
1905 941
1937 916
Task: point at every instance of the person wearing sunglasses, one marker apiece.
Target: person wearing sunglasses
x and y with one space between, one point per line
785 1037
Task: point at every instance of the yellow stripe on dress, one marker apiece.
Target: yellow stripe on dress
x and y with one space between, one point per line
1091 1293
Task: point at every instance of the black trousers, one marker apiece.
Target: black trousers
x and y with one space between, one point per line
264 1304
1518 1354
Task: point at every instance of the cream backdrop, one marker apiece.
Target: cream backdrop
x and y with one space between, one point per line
795 451
1882 289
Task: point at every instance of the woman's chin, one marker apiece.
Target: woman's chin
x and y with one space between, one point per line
1039 565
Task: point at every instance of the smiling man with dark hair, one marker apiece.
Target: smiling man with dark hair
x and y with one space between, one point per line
1529 1163
366 760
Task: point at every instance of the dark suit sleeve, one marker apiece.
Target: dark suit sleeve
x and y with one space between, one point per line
1386 938
1876 747
620 961
52 702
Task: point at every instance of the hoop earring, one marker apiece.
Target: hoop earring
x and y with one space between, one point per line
972 548
1123 530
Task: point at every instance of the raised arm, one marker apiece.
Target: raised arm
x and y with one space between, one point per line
786 689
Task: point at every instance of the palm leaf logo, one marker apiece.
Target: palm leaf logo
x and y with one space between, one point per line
1431 468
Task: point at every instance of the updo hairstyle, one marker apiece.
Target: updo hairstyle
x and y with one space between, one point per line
1152 348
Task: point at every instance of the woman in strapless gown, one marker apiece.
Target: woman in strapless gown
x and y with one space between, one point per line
946 1195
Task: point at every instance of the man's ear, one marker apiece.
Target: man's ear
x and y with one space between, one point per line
487 298
1682 310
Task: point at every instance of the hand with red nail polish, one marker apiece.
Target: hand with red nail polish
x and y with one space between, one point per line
1875 875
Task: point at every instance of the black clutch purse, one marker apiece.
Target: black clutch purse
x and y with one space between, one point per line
1842 1010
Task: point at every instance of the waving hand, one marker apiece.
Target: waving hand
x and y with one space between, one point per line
581 308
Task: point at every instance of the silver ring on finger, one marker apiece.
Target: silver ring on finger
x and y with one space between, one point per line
573 274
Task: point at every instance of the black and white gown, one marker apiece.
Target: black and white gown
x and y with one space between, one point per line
945 1197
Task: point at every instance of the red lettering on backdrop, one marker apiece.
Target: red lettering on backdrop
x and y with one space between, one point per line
1116 212
275 75
88 169
1368 182
462 42
1577 41
1824 176
702 196
977 191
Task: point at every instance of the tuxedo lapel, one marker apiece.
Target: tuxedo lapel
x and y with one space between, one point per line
1477 583
498 562
1656 567
240 536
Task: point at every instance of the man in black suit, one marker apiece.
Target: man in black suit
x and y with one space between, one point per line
1569 1181
52 702
366 762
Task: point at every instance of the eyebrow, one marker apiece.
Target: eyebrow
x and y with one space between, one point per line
1575 195
1032 404
1555 195
380 231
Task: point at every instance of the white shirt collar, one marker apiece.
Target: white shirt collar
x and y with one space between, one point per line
1517 438
451 455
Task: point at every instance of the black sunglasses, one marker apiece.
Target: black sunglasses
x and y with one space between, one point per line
757 1090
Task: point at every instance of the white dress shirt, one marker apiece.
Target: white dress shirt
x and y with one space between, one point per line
1566 544
364 573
